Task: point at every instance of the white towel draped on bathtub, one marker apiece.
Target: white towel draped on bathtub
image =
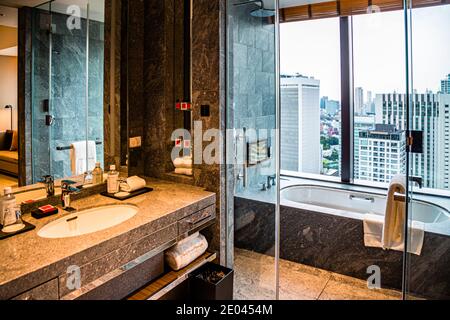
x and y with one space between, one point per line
373 231
394 218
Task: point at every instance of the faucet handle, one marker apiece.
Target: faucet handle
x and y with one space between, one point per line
418 180
263 186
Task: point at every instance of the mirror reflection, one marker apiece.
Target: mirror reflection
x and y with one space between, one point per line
52 92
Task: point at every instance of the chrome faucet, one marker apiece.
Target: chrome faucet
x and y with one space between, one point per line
271 181
66 191
417 180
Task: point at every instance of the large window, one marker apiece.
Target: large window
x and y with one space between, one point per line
310 97
378 103
315 109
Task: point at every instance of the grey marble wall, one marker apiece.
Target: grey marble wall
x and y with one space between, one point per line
336 244
155 78
251 76
208 88
72 112
24 95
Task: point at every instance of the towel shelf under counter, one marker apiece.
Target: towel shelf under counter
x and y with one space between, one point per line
162 287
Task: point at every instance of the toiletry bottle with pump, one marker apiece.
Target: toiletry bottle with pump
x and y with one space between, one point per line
8 207
97 174
113 180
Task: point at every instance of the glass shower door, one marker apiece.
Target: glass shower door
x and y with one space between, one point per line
252 174
69 82
426 272
41 20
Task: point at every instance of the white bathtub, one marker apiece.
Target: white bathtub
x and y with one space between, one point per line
354 204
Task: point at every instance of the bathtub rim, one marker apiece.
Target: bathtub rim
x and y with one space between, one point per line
446 211
438 228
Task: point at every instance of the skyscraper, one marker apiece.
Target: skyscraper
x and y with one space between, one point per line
359 101
381 153
430 114
445 85
300 124
370 106
361 123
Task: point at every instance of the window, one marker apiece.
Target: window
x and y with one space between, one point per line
310 97
312 50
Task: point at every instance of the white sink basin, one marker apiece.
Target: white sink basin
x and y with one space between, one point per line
88 221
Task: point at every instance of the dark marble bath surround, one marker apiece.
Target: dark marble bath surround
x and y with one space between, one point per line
33 267
336 244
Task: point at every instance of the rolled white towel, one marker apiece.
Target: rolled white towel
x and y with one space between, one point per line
186 251
185 171
133 184
185 162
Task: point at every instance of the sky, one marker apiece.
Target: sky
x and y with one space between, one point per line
311 48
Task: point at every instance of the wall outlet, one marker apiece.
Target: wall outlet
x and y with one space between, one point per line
135 142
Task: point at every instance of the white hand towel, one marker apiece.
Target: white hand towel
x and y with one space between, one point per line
184 171
78 157
394 219
186 251
373 230
133 184
185 162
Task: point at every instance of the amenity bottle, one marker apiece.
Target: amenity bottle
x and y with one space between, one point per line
113 180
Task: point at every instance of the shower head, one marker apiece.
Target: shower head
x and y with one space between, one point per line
261 12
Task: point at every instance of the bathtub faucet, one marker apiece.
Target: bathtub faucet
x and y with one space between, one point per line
418 180
271 181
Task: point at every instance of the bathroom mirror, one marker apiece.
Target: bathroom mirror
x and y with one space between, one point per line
60 106
157 69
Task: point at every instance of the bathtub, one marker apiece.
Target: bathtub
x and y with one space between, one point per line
322 227
354 204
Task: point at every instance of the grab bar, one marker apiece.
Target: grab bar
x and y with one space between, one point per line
362 198
70 147
400 197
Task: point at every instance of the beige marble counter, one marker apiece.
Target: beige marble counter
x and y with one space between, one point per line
28 260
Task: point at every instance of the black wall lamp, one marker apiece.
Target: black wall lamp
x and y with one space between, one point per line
10 107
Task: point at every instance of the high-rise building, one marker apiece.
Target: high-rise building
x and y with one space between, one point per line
370 106
445 85
381 153
359 101
430 115
300 124
331 107
360 123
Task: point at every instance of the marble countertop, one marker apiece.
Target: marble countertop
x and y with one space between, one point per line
28 260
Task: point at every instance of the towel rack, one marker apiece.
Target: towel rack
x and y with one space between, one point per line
70 147
399 197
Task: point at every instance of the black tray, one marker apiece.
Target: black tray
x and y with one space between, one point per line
131 195
28 227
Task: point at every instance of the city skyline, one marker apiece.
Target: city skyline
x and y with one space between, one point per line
371 33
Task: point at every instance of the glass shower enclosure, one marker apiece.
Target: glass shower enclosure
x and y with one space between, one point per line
321 117
67 84
252 145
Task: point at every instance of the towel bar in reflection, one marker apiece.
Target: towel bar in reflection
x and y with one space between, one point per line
70 147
